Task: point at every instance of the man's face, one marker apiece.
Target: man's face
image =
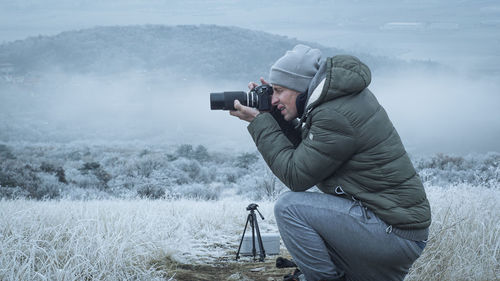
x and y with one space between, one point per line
284 100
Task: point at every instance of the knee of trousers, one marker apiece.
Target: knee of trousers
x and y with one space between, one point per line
283 203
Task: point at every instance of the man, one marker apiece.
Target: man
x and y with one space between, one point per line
371 221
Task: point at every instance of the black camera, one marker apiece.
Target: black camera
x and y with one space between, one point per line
259 98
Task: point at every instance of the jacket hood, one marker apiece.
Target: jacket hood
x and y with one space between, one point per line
340 76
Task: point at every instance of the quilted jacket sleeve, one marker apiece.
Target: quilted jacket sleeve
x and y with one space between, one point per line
329 143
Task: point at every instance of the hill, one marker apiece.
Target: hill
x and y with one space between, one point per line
208 51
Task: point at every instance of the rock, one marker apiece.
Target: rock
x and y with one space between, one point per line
258 269
234 276
238 277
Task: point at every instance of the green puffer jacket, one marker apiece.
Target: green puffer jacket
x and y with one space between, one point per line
349 148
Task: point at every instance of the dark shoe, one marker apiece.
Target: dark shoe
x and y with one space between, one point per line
283 263
295 276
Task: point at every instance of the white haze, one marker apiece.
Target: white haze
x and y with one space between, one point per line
450 111
128 107
438 112
433 113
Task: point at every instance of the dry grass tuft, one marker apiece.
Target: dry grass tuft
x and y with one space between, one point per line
464 242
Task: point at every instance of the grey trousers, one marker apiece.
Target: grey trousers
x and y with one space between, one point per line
328 235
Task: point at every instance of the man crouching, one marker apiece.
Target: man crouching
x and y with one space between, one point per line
371 221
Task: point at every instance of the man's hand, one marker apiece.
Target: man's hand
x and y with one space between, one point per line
244 112
252 85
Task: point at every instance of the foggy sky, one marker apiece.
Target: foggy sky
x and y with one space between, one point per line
433 112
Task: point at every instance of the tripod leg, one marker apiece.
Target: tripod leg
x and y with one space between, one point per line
252 221
261 245
241 241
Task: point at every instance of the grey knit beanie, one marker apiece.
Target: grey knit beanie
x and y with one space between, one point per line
296 68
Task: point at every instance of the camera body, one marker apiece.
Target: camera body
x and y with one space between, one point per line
259 98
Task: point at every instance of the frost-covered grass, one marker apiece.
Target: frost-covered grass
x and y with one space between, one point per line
116 240
127 239
464 242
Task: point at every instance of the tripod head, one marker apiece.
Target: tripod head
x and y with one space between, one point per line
253 207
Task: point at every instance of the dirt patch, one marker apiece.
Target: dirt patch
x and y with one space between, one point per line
246 269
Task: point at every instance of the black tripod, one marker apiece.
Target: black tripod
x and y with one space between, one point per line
252 218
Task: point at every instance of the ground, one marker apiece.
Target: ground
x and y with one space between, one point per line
246 269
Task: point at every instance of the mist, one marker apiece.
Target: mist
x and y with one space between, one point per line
442 113
452 110
433 113
118 108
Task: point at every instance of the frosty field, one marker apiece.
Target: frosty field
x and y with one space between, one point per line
155 239
114 167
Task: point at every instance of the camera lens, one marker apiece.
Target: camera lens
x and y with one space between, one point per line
225 100
217 101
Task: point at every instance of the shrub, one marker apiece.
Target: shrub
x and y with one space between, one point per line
6 152
191 167
151 191
232 176
49 188
10 192
17 179
145 167
48 167
96 169
262 185
269 186
61 175
244 160
171 157
443 161
52 169
185 150
74 156
446 170
201 154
